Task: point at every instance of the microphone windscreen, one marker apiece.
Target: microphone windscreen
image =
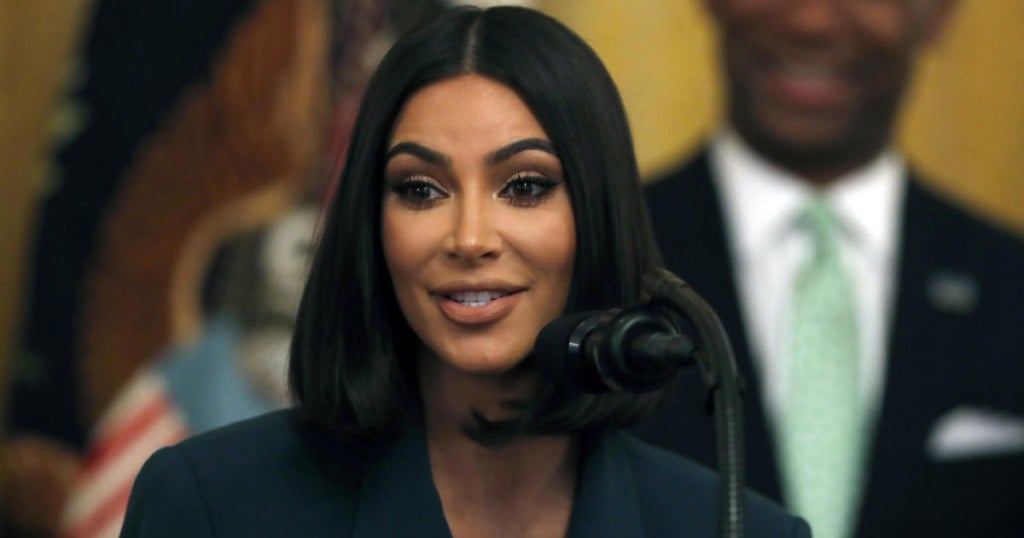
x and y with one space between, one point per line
551 349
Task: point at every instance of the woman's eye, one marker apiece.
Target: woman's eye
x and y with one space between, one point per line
418 193
527 190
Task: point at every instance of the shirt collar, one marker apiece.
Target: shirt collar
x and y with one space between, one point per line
762 199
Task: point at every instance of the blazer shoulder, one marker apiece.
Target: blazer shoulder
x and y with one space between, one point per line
683 197
165 500
696 168
274 429
951 223
266 476
667 480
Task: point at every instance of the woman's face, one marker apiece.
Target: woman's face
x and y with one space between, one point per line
477 226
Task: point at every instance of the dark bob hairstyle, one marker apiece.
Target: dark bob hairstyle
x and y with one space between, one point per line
352 365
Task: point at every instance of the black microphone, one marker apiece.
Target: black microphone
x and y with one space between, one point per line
636 349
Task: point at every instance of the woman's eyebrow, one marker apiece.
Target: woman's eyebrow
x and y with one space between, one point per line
416 150
505 152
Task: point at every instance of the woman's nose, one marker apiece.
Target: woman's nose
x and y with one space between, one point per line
474 234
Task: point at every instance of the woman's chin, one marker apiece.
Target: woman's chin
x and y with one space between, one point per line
485 361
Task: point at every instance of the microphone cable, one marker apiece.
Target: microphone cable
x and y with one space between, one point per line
715 359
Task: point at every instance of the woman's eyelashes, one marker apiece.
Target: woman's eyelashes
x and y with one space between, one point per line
523 189
418 192
527 189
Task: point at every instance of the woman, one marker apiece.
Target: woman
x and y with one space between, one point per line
490 187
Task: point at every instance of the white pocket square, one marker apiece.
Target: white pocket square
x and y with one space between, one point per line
970 432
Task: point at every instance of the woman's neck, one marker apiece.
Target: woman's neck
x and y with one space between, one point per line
523 487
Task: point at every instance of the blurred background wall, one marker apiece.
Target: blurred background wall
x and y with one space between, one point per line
37 40
37 44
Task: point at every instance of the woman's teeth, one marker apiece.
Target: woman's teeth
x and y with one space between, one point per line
476 298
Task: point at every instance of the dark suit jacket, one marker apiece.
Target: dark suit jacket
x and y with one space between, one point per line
943 352
269 476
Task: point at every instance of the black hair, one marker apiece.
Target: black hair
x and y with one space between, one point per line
352 365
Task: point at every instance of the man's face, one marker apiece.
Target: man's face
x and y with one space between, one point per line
815 84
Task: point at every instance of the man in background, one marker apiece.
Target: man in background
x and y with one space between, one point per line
878 325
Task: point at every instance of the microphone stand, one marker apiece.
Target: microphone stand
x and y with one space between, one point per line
718 368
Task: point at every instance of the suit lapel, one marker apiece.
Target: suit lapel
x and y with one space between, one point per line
925 344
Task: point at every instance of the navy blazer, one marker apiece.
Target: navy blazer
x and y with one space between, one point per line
956 342
270 476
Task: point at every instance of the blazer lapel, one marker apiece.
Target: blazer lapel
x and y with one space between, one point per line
397 496
606 503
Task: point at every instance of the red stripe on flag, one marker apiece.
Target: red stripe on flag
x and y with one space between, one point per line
109 447
115 505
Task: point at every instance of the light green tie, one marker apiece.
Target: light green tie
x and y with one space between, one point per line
821 424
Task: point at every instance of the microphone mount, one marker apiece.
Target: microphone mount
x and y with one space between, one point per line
718 367
637 349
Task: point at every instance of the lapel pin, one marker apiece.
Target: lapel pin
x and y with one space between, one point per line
952 292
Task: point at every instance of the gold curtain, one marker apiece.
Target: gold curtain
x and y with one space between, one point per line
37 43
963 122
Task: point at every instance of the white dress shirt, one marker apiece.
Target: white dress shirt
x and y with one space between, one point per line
761 203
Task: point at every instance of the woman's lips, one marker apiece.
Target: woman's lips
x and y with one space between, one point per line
477 307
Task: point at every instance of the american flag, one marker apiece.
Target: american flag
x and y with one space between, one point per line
190 389
201 389
142 419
